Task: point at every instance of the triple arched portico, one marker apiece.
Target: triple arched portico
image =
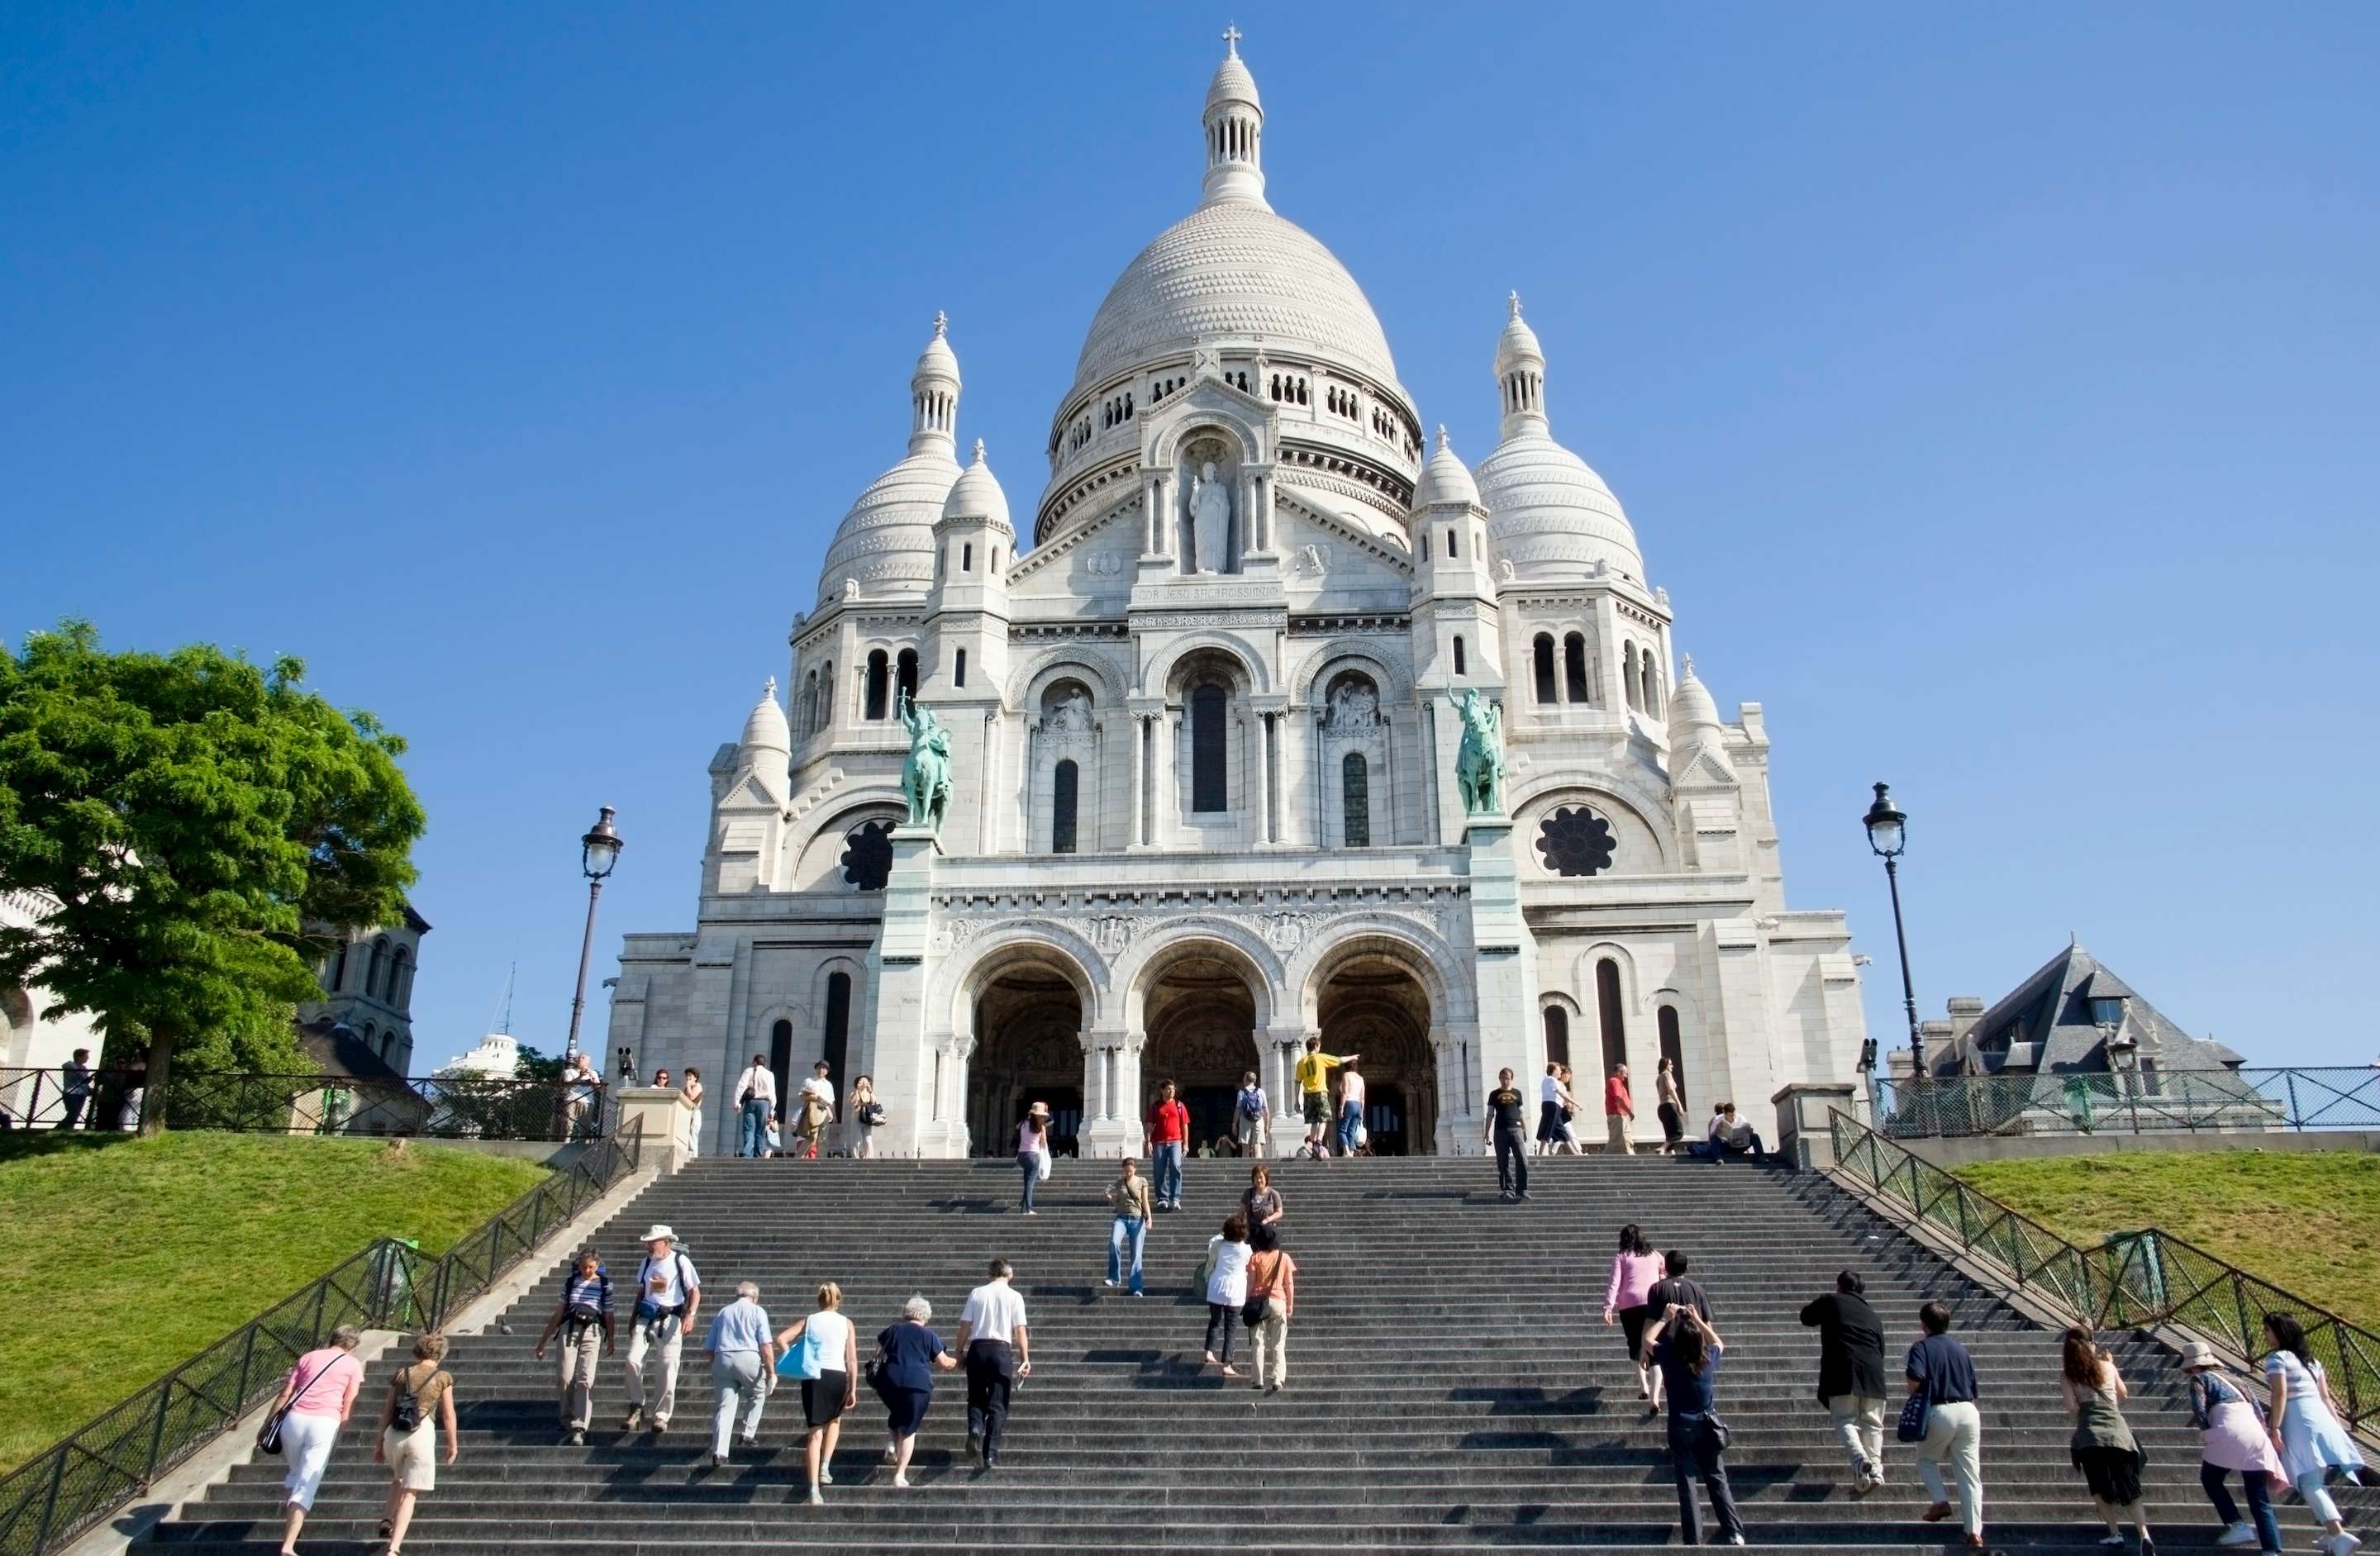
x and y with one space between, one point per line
1092 1015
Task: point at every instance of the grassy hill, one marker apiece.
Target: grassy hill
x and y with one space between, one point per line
125 1256
2308 1222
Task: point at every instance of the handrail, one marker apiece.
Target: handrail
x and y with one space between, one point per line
2133 1279
466 1107
87 1475
2128 1102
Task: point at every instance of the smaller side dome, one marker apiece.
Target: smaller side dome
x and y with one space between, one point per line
977 495
1445 479
1691 706
766 730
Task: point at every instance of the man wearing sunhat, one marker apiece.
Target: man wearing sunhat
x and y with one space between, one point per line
668 1294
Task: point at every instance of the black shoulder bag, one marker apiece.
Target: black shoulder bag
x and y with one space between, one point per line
268 1436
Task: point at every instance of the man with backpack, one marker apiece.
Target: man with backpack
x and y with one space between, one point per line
756 1105
1252 1118
583 1320
668 1294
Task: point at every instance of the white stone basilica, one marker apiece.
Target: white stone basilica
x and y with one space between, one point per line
1203 737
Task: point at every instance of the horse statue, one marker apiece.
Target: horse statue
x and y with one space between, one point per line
926 775
1479 765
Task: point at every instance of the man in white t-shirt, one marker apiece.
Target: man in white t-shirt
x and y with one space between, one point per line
668 1294
756 1104
814 1107
1351 1104
993 1342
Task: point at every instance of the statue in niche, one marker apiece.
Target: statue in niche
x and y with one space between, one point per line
1479 764
926 775
1071 714
1353 705
1211 519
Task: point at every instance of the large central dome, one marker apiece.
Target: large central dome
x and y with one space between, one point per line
1234 271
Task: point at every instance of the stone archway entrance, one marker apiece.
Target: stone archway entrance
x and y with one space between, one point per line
1200 1016
1029 1049
1372 1005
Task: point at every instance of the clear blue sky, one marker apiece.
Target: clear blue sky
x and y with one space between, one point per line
1993 389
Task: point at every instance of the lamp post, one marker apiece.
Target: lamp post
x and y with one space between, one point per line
2123 1050
1888 834
598 852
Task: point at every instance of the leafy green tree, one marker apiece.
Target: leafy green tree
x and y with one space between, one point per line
198 820
530 1063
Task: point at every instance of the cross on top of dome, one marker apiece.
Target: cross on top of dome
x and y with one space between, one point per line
1231 41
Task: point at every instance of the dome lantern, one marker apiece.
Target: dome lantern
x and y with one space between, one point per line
934 392
1521 373
1235 122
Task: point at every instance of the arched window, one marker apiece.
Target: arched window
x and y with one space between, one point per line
1450 545
810 704
1209 791
995 560
1062 785
1607 1005
372 1036
376 971
1628 676
1355 795
966 558
781 1055
1575 665
1672 1049
400 977
958 668
1652 683
1458 656
1543 652
826 696
1556 1035
336 977
908 674
836 1049
878 684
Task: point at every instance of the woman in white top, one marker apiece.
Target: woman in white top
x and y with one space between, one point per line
2305 1428
863 1118
692 1087
824 1351
1033 1151
1226 1270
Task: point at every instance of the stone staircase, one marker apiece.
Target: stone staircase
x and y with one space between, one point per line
1452 1388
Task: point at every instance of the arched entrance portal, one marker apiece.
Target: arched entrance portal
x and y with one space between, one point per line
1029 1049
1373 1005
1200 1017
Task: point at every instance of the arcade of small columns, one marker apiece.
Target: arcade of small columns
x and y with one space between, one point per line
1201 1011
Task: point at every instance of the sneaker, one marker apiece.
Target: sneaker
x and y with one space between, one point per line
577 1438
2237 1534
659 1426
2111 1542
2342 1543
1863 1483
632 1419
1735 1540
1110 1284
891 1455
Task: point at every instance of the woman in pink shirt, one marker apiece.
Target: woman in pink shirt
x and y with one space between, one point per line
1633 1270
313 1405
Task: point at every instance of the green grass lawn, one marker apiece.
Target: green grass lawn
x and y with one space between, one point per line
2308 1222
125 1256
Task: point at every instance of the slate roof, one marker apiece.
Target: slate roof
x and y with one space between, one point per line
338 1050
2044 1024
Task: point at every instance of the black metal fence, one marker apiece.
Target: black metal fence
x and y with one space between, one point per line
2134 1280
436 1106
2131 1102
86 1476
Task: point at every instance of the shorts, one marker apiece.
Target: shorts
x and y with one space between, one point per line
822 1398
1317 1107
412 1457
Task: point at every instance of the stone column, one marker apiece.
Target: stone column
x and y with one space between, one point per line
898 967
1462 1090
1505 955
1137 837
1247 537
1105 1131
1161 516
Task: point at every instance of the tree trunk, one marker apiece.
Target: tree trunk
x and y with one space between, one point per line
152 1085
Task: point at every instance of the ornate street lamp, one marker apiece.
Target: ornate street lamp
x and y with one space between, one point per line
598 852
1888 834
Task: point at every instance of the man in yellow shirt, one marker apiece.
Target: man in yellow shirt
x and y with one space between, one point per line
1314 1068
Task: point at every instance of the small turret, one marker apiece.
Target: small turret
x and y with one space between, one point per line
966 611
1234 121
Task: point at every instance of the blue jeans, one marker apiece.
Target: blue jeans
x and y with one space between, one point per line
2258 1486
1165 1163
1127 1229
755 1137
1028 1162
1351 1116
